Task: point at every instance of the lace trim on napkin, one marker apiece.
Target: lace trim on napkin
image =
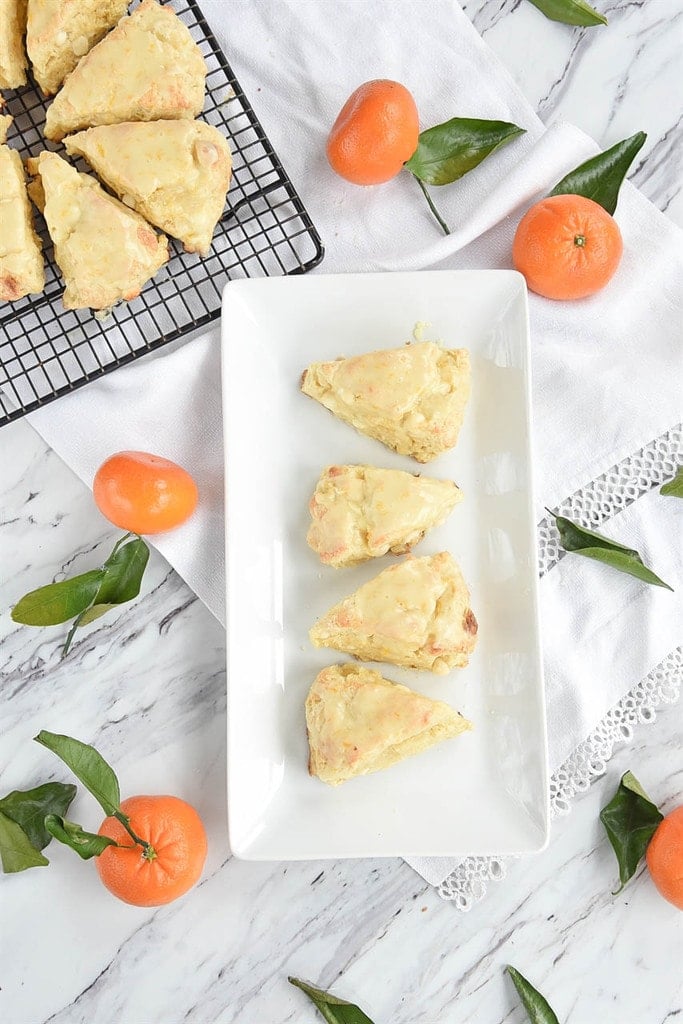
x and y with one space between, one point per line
599 500
466 885
612 492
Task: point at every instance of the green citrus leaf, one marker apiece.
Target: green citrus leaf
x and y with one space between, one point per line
601 177
122 576
333 1009
674 488
449 150
570 12
88 766
593 545
631 564
29 807
58 602
537 1007
16 851
123 570
630 820
85 844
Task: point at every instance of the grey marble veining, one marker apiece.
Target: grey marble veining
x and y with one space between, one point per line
147 686
611 81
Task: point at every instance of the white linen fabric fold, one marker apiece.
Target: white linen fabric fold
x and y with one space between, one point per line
606 370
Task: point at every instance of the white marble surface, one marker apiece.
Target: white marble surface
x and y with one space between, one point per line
147 686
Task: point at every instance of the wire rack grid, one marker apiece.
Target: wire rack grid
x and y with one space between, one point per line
47 351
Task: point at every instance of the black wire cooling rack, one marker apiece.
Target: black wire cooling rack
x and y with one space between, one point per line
47 351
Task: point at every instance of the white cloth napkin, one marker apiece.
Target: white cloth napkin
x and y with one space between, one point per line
604 369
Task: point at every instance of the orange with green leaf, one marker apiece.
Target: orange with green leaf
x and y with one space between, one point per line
376 134
568 245
141 493
150 849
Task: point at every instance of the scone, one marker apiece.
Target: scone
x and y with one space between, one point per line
12 55
359 722
416 614
60 32
361 512
21 259
175 173
147 68
104 251
411 398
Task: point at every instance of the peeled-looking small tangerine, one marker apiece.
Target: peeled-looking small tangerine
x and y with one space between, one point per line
144 493
374 134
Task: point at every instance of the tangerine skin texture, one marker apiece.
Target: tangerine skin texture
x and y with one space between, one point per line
375 133
175 831
554 265
143 493
665 857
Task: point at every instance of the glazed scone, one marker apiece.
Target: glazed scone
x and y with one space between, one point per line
60 32
361 512
411 398
175 173
105 251
13 61
359 722
146 69
21 259
416 614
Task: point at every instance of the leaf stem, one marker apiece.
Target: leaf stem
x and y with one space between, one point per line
442 223
79 618
70 636
119 542
148 850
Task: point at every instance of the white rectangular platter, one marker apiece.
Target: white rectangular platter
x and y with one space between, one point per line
485 792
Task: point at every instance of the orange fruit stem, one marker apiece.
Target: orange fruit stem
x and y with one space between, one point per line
148 851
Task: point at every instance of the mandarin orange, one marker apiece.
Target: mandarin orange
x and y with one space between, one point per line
144 493
375 133
172 865
567 247
665 857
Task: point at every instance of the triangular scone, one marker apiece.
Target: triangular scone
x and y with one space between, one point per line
175 173
147 68
411 398
104 251
60 32
359 722
21 259
361 512
12 55
416 613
